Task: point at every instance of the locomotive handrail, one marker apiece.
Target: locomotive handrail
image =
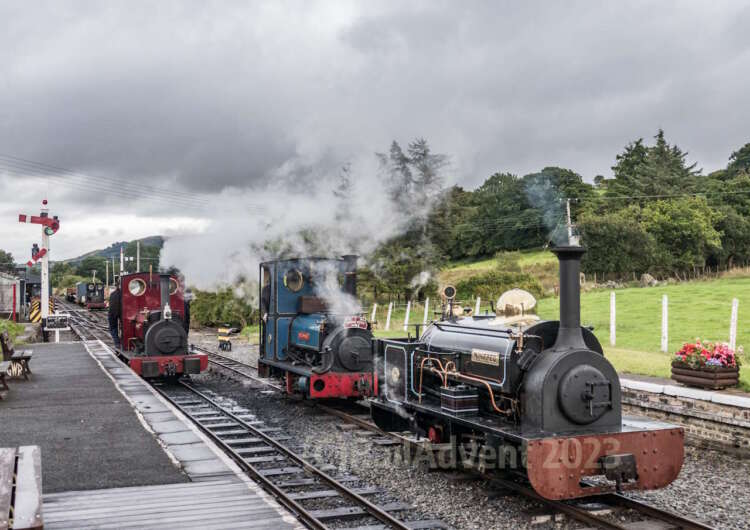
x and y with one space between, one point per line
455 328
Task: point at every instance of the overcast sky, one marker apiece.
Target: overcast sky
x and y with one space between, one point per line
211 96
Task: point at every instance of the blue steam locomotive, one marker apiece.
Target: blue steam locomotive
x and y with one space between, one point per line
312 332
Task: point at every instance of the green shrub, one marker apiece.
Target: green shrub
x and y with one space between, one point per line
13 329
491 285
508 261
221 308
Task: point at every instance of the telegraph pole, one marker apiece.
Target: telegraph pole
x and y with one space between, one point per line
570 223
137 256
122 259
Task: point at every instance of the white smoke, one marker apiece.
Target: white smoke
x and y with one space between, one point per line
302 213
328 283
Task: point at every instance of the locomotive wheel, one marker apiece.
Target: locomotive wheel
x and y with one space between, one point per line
435 434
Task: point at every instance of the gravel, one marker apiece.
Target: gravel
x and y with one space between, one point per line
713 487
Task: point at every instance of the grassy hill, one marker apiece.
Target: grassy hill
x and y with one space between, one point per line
540 263
113 251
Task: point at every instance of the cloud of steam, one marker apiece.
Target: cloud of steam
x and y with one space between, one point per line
303 217
328 288
544 196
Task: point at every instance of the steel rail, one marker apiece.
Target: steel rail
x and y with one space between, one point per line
579 514
681 521
296 508
372 509
226 363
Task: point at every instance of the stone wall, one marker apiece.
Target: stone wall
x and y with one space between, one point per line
710 419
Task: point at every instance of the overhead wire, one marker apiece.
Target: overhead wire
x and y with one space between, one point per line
109 186
102 179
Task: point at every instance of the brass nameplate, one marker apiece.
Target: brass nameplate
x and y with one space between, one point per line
485 357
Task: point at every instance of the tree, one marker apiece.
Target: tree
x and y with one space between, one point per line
739 160
7 263
450 224
548 191
616 242
684 232
414 179
661 169
93 263
149 256
504 217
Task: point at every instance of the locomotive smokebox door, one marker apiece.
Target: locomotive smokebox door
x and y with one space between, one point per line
585 394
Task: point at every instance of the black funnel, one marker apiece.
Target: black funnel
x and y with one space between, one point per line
350 274
570 336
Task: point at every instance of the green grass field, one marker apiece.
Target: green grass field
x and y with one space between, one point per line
696 309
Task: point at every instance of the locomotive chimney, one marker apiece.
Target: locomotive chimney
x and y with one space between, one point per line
570 336
164 292
350 274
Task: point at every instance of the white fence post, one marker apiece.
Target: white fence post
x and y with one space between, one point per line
426 305
388 318
664 323
733 324
406 318
612 311
479 301
374 308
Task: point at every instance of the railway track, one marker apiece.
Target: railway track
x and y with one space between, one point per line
265 447
294 480
578 510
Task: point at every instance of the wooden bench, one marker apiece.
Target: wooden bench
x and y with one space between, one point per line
20 360
4 365
21 488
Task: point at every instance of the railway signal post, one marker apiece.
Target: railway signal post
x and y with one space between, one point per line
50 226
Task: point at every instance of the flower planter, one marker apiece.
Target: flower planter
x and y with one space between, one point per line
714 378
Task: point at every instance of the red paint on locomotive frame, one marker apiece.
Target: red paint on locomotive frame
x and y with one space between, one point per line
341 385
136 362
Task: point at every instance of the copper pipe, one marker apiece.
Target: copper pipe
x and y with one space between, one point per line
489 389
421 374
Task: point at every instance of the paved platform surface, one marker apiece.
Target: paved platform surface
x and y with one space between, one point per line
204 505
88 432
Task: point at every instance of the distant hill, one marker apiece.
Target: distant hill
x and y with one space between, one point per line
113 251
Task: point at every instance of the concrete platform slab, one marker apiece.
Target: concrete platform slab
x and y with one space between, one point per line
89 435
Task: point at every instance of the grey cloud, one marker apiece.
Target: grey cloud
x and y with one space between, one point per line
210 95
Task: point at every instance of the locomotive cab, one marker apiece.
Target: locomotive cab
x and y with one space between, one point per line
312 333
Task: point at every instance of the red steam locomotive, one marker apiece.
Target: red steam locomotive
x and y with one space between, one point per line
153 330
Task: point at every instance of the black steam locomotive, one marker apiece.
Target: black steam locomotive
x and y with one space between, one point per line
540 398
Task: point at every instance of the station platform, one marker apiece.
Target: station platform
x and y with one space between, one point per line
108 438
87 430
